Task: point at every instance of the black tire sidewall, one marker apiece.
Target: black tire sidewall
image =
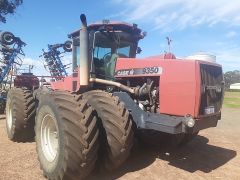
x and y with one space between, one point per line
11 103
49 107
102 101
19 100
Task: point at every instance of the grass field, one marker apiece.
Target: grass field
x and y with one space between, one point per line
232 99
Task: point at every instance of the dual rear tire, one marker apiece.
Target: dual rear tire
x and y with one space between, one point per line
20 115
116 128
66 136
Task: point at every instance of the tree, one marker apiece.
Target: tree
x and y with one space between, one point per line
8 7
231 77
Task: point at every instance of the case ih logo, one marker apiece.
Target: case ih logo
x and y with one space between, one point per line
125 72
139 71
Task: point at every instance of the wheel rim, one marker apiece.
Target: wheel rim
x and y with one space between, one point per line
9 117
49 138
8 38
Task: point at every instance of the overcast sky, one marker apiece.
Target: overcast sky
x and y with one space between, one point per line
206 25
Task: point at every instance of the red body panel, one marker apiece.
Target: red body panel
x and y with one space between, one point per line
179 83
70 83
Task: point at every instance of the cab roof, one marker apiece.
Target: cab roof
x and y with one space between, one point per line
110 25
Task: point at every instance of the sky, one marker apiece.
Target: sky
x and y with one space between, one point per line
209 26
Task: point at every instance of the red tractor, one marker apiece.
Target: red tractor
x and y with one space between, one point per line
27 80
90 117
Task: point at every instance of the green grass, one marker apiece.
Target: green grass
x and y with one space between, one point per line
232 99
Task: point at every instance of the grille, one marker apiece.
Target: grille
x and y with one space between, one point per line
212 87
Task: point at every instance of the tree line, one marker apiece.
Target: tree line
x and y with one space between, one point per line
231 77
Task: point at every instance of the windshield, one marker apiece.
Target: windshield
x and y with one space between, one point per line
120 43
107 47
104 49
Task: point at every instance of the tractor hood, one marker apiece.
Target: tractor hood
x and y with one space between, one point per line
155 66
180 81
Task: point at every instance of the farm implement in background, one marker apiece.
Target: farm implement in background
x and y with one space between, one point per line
10 49
53 61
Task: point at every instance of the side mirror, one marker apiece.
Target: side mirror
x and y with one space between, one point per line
76 42
139 50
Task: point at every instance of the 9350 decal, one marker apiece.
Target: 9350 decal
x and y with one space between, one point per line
139 71
151 70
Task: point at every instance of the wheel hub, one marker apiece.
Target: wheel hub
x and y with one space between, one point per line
49 138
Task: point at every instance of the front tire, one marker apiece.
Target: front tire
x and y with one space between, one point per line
66 136
117 133
20 114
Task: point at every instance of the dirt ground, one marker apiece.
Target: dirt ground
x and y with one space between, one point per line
213 154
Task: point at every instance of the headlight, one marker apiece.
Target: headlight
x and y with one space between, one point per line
189 121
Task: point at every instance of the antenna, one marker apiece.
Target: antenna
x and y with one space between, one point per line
169 41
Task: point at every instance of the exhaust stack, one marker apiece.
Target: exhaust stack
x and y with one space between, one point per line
84 59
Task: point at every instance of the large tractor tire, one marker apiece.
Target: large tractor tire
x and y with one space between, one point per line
20 114
66 136
115 126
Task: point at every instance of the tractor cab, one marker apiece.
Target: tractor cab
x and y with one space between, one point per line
107 42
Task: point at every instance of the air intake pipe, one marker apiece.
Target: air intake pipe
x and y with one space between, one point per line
84 59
